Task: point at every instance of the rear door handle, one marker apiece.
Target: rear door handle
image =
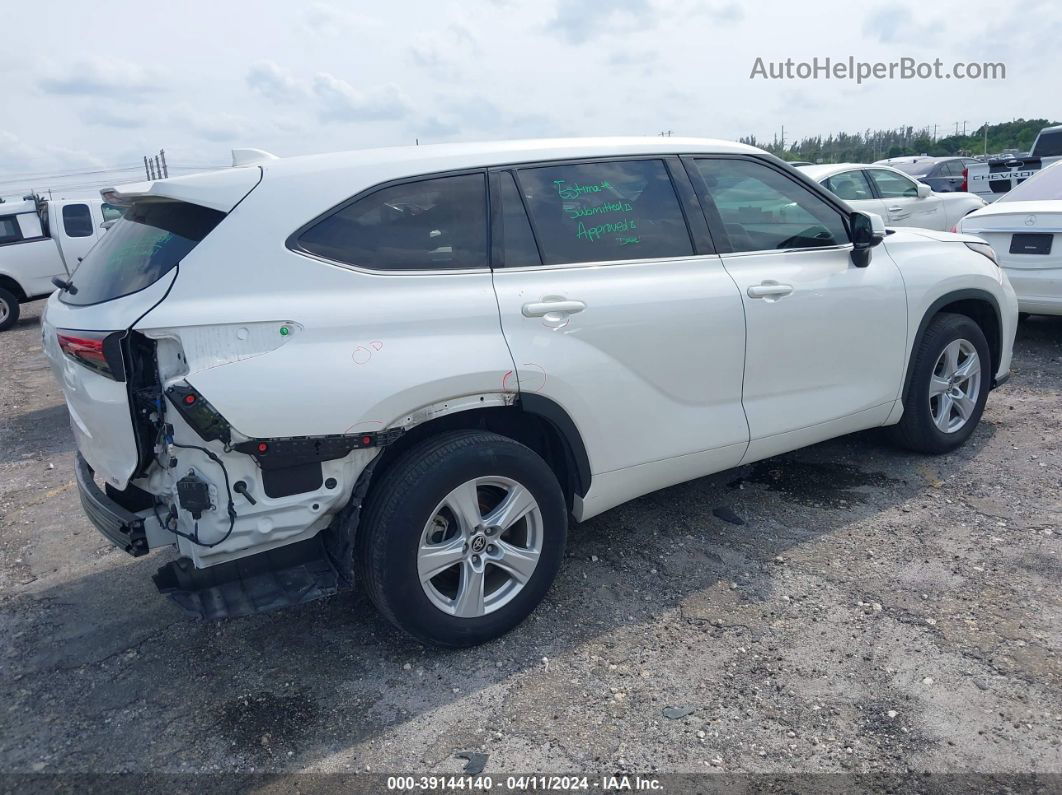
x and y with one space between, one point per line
543 308
769 290
895 209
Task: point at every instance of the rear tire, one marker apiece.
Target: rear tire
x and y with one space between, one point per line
447 506
9 309
950 379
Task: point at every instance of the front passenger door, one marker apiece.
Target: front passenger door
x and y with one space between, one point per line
825 340
903 204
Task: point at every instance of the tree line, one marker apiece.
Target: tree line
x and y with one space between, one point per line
871 145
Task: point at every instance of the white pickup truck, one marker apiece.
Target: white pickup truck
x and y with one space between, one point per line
997 176
40 240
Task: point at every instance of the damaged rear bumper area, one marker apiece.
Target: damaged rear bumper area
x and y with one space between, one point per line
118 524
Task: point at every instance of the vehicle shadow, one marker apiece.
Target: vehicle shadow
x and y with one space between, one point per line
112 677
34 433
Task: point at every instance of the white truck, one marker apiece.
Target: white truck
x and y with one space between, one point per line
998 175
41 240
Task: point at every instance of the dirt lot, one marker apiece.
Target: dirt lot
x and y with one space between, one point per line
876 611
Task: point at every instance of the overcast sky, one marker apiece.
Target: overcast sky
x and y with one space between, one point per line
88 86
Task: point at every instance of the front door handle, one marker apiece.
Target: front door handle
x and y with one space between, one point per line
895 209
770 290
560 307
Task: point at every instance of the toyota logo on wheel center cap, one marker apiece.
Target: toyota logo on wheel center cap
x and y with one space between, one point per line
479 543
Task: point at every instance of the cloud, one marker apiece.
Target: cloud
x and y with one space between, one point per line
577 21
20 157
274 82
894 24
340 101
103 116
440 50
100 76
326 19
217 127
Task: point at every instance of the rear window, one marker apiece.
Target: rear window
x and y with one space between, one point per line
1049 144
914 169
77 220
147 242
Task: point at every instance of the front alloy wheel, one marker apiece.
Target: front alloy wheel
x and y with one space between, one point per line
955 386
950 372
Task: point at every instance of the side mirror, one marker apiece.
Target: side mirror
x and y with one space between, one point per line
867 231
924 191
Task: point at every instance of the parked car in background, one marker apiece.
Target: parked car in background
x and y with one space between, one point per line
41 240
1025 229
896 197
942 174
411 365
1000 175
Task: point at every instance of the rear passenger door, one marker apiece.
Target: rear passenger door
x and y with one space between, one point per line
615 308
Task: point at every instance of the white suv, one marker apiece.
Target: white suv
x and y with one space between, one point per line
409 366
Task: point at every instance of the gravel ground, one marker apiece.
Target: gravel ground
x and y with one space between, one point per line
877 611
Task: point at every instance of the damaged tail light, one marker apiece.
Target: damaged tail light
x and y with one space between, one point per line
99 351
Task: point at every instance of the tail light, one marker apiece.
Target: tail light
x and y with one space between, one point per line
99 351
965 176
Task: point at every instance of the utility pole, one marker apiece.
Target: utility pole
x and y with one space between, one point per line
158 167
964 129
147 168
986 137
165 168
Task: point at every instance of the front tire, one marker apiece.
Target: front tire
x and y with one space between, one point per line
462 537
9 309
950 379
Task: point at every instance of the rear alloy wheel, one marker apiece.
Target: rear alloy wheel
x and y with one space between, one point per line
951 373
462 537
9 309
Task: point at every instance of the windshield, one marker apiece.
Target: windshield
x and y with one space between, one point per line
1043 186
147 242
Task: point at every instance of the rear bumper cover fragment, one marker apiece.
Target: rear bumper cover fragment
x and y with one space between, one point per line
121 527
279 578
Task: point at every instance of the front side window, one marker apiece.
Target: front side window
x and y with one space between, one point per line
762 209
850 186
77 220
9 229
148 241
612 210
893 186
430 224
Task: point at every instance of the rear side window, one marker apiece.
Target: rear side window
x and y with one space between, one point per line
147 242
762 209
9 229
431 224
1049 144
616 210
77 220
850 186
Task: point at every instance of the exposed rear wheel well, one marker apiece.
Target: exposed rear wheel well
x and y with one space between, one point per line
12 287
529 428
